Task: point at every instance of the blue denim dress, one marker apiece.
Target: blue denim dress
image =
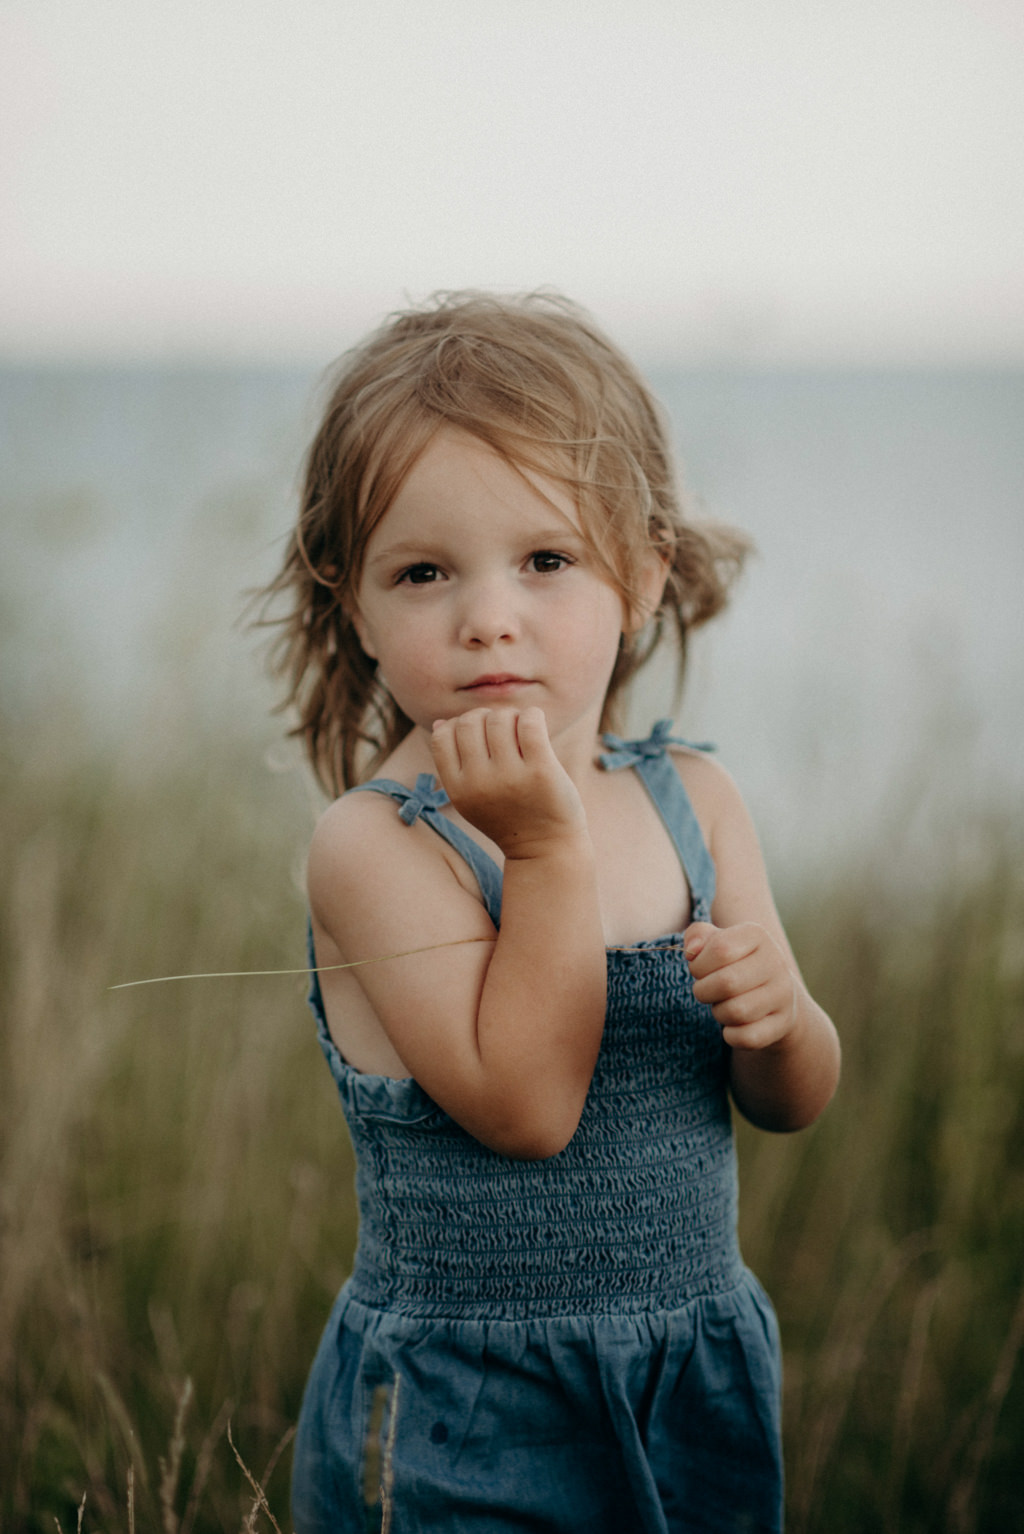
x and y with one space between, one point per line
550 1347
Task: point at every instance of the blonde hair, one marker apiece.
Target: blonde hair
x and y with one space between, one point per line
534 379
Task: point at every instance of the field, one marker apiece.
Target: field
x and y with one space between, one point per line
176 1205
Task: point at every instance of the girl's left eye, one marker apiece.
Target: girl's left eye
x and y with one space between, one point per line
419 575
546 561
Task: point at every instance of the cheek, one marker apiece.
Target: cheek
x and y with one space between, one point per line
391 633
408 655
587 639
597 626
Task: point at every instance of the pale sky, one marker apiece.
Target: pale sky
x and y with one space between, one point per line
749 180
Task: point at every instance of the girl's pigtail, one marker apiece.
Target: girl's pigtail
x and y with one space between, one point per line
704 560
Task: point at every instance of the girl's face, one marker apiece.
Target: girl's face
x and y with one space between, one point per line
479 589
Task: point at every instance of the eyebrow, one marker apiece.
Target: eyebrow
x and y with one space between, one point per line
404 550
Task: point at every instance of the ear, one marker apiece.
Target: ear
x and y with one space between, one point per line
362 632
651 589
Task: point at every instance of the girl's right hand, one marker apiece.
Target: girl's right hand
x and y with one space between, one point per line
501 1027
500 771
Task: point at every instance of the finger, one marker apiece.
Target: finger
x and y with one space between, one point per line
751 1036
444 750
471 739
502 738
749 1008
695 942
532 734
760 1035
732 979
695 939
714 947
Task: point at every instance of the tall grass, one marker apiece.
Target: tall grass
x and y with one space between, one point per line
176 1196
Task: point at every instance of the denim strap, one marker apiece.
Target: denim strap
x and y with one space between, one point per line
655 769
426 801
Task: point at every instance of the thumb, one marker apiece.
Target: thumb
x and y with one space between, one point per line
695 939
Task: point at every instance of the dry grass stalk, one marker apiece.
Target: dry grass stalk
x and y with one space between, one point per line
961 1504
260 1502
913 1367
387 1479
170 1468
843 1360
204 1462
81 1515
372 1474
279 1448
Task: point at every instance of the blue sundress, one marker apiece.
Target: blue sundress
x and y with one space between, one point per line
556 1346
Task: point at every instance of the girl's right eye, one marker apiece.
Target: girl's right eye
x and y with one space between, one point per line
419 575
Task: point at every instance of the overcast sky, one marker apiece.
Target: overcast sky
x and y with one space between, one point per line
752 180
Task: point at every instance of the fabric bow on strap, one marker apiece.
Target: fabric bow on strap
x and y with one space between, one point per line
425 796
627 753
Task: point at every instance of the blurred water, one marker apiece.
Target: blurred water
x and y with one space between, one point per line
873 655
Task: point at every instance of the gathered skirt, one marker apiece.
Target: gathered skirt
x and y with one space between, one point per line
665 1422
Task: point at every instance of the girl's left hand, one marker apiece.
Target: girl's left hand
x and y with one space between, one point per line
742 974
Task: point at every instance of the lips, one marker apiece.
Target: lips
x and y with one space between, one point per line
497 680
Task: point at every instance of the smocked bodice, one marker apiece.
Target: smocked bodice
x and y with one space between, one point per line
637 1213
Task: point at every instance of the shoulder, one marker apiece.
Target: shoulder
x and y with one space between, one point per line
713 792
701 771
356 839
349 823
366 862
742 890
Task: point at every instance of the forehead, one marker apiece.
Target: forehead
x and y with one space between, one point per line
458 476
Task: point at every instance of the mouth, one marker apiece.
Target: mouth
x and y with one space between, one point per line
502 681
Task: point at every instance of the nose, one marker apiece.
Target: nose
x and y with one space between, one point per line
487 614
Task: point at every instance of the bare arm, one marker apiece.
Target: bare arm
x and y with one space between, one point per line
502 1034
785 1051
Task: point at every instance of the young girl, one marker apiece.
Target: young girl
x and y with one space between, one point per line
545 956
